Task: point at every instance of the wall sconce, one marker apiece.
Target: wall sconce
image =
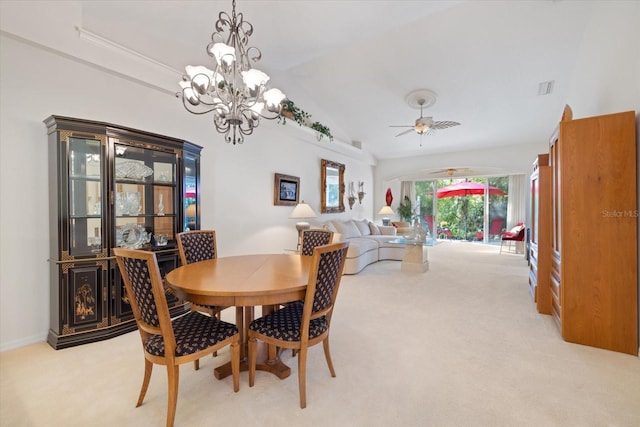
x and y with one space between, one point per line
361 192
352 195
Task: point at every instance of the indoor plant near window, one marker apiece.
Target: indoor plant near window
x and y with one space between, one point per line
405 210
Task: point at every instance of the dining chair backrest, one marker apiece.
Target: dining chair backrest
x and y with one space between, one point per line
196 245
143 282
324 280
313 238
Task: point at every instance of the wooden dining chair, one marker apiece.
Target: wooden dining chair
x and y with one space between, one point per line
166 341
313 238
301 325
310 239
196 246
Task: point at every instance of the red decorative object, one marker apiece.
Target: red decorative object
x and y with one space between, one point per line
389 197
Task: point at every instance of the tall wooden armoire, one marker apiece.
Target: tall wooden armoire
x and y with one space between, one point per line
594 268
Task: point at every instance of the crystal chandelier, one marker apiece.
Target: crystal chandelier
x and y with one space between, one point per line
234 92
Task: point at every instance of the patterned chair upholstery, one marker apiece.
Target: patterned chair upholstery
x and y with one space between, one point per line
165 341
196 246
300 325
313 238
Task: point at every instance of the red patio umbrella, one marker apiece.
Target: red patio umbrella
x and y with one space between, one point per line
467 189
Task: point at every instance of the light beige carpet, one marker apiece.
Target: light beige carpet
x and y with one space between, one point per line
461 345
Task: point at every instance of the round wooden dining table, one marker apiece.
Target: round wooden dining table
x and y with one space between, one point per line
245 281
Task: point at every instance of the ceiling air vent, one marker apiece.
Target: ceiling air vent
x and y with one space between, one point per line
545 88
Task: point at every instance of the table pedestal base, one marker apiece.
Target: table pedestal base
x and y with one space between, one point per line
273 365
415 259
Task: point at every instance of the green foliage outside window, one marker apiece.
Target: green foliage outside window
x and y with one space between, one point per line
463 216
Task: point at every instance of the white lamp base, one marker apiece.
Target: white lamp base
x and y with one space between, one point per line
301 226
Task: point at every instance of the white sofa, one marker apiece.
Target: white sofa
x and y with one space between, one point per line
368 242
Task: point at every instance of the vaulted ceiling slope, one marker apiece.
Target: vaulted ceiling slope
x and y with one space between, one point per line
351 63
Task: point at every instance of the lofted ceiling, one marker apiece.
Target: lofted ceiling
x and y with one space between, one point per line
351 63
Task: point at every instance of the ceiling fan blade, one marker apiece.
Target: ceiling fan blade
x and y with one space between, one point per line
405 132
400 126
444 124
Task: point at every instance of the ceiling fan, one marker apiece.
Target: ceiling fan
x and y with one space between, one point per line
423 98
451 171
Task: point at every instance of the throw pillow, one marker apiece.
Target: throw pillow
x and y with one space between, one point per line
516 229
348 229
374 229
363 226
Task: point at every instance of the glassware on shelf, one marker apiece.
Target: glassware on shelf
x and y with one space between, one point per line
133 170
120 204
160 205
133 203
161 239
132 236
128 203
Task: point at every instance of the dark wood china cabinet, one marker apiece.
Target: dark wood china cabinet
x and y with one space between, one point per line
111 186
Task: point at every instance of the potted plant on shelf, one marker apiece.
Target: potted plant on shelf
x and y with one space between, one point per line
322 130
291 111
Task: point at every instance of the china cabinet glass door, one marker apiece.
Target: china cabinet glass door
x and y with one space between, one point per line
145 196
190 190
86 171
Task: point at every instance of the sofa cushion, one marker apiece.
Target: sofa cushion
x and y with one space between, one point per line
348 229
360 246
374 229
363 226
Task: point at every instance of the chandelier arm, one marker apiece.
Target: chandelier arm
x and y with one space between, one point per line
233 92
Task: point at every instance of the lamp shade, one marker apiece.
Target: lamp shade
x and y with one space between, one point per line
386 210
302 210
191 211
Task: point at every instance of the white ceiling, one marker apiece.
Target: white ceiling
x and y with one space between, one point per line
351 63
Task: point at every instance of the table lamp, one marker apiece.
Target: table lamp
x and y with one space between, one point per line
302 211
386 211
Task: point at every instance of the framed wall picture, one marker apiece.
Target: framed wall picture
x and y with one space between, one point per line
286 190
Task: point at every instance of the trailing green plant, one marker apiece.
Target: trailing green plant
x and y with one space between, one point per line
322 130
299 116
405 210
303 118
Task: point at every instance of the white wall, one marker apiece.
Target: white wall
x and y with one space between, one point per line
237 181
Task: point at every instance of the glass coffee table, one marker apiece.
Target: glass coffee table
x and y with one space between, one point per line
415 258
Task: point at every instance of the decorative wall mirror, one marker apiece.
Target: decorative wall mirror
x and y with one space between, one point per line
332 187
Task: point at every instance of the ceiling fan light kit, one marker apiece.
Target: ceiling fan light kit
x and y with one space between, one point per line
423 98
